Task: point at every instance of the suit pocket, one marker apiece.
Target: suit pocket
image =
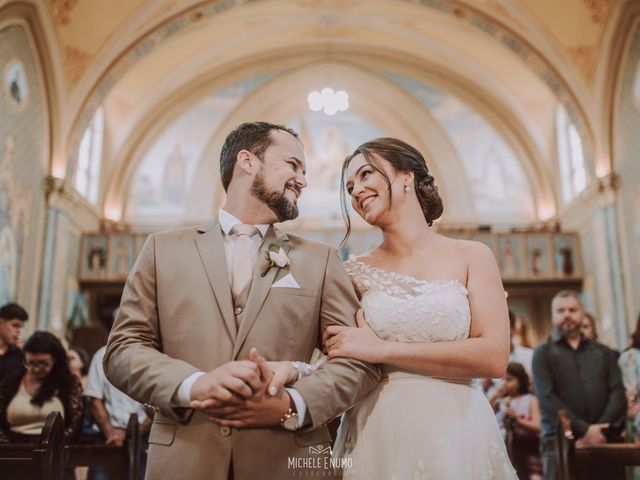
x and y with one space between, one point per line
162 433
318 436
303 292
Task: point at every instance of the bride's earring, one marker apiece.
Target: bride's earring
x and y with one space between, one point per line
407 189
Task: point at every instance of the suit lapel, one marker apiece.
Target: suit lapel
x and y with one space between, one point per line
260 284
211 248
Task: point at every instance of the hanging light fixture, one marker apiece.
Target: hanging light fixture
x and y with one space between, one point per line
328 100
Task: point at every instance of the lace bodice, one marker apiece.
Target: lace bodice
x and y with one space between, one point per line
406 309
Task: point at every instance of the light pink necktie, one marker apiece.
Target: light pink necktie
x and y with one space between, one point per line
242 261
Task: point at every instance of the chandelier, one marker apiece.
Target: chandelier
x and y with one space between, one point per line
328 100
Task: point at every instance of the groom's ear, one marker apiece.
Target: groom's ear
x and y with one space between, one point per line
246 161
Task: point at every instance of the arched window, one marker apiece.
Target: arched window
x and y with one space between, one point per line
90 158
573 173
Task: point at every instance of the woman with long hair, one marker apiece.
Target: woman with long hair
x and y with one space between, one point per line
78 360
435 316
44 385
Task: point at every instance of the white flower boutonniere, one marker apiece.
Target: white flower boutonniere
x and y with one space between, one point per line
277 258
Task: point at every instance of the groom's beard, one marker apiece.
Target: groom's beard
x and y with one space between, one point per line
276 201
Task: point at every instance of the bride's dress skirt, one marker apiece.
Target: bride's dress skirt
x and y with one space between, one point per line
417 427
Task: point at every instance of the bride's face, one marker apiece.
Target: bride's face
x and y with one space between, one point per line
369 190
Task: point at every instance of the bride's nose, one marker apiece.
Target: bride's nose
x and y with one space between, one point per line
357 190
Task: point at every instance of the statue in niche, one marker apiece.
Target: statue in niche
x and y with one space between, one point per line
175 176
567 260
97 258
509 266
536 255
122 253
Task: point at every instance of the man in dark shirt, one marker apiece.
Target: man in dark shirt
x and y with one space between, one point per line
12 319
581 376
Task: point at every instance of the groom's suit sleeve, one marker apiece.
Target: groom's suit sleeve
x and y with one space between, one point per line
134 362
340 382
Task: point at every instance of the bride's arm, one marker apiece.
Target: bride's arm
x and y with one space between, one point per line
484 354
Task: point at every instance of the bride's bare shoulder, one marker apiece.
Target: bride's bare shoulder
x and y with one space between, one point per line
470 249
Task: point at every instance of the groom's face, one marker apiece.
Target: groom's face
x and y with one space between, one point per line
281 178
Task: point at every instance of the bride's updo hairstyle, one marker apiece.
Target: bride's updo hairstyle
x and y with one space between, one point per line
403 158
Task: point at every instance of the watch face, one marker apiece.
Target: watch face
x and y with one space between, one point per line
291 422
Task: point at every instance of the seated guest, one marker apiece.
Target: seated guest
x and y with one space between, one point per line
514 404
78 364
629 363
581 376
111 410
43 385
12 319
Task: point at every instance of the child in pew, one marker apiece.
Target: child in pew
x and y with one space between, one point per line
513 403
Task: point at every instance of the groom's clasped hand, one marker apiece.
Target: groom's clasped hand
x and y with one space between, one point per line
245 393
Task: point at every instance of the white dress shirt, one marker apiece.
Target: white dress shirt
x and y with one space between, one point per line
227 222
118 405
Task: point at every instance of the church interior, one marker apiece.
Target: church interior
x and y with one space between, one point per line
112 115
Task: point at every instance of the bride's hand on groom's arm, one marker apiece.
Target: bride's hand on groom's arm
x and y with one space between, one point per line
360 343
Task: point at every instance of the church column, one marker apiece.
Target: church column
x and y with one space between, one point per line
68 215
595 216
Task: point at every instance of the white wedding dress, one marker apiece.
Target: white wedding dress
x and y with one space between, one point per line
412 426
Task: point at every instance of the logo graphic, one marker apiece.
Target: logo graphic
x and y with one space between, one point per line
319 450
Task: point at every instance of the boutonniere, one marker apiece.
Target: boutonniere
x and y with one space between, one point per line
277 258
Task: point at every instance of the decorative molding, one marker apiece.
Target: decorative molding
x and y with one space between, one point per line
76 63
62 197
585 59
62 10
599 9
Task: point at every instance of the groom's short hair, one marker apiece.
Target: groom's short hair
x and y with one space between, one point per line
252 136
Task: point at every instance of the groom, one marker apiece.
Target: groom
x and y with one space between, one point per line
200 301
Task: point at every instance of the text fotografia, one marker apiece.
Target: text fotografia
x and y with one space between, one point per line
319 463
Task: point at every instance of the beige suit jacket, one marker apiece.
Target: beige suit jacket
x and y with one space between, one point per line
177 317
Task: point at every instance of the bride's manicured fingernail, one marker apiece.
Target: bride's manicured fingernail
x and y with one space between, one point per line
273 391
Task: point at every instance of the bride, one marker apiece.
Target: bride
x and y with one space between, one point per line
435 316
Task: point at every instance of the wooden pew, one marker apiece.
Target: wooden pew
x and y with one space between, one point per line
574 463
41 461
524 451
125 459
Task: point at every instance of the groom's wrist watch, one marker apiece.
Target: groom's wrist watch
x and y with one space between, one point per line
290 421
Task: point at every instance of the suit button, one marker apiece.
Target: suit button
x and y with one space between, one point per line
225 431
238 310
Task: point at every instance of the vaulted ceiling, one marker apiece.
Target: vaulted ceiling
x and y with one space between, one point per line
510 61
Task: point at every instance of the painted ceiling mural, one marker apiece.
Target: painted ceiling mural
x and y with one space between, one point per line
498 183
327 141
161 183
494 174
